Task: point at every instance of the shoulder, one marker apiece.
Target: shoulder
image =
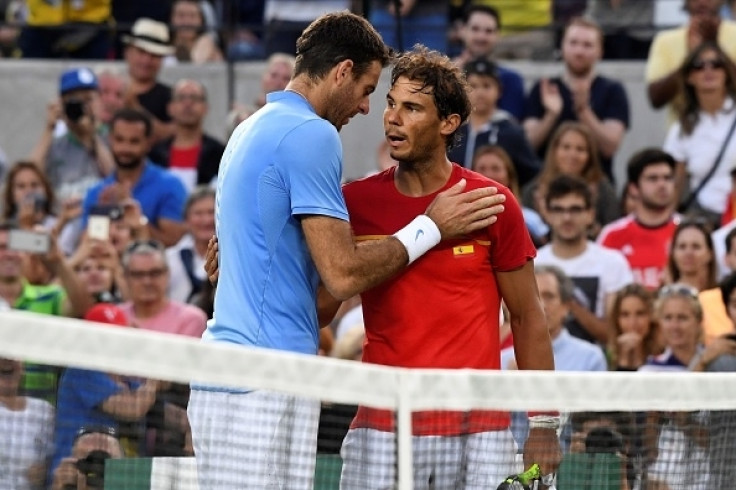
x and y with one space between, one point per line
609 83
669 35
604 253
369 185
187 311
39 405
616 226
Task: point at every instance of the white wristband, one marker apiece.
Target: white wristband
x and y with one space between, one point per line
419 236
544 422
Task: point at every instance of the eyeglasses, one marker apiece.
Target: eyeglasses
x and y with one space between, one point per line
699 65
678 289
142 244
571 210
151 273
190 97
96 429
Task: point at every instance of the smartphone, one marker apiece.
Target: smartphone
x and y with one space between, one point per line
29 241
112 211
98 227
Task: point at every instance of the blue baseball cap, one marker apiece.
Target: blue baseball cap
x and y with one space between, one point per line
77 79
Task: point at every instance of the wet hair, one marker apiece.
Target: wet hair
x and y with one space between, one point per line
440 78
334 38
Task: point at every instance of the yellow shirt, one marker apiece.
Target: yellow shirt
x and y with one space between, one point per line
521 15
57 12
669 49
715 319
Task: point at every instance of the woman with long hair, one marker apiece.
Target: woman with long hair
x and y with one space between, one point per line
28 198
706 114
572 151
634 333
692 259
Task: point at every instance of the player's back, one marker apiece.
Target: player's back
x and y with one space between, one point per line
265 294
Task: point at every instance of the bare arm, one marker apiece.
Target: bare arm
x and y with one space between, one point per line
597 327
537 130
327 306
533 349
663 90
131 405
41 149
167 231
347 268
608 133
519 291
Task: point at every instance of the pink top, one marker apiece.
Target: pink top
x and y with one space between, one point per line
177 318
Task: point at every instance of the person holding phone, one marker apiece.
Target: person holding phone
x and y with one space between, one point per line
78 159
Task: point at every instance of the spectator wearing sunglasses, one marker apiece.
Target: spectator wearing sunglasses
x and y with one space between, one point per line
701 140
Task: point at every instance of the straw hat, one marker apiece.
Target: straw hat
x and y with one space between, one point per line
150 36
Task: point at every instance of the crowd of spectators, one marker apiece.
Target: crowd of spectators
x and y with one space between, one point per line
122 180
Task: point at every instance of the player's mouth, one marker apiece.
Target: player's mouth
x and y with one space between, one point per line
395 139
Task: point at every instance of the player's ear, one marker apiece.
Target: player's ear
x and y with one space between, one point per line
450 124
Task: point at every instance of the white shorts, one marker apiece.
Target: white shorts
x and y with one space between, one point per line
475 461
259 440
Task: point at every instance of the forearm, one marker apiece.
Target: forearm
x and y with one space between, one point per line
78 299
41 150
131 405
607 136
537 130
168 235
662 91
589 321
368 264
105 160
535 352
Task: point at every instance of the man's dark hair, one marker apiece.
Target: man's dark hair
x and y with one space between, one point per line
334 38
643 159
440 78
727 285
564 185
729 240
482 9
133 116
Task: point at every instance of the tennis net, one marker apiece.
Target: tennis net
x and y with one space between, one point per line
119 418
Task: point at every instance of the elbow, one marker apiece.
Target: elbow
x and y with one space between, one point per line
342 289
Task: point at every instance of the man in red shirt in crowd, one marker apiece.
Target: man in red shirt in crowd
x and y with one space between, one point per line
644 236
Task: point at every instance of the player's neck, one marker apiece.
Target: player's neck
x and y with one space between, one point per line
653 217
14 403
309 91
421 179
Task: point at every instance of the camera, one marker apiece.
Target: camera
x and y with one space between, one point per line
74 109
93 468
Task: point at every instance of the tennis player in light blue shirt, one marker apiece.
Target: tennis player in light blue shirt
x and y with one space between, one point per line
282 162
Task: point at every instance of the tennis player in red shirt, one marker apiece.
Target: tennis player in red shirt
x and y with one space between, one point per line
443 310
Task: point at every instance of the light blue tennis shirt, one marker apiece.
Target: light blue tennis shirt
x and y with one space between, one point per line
283 162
